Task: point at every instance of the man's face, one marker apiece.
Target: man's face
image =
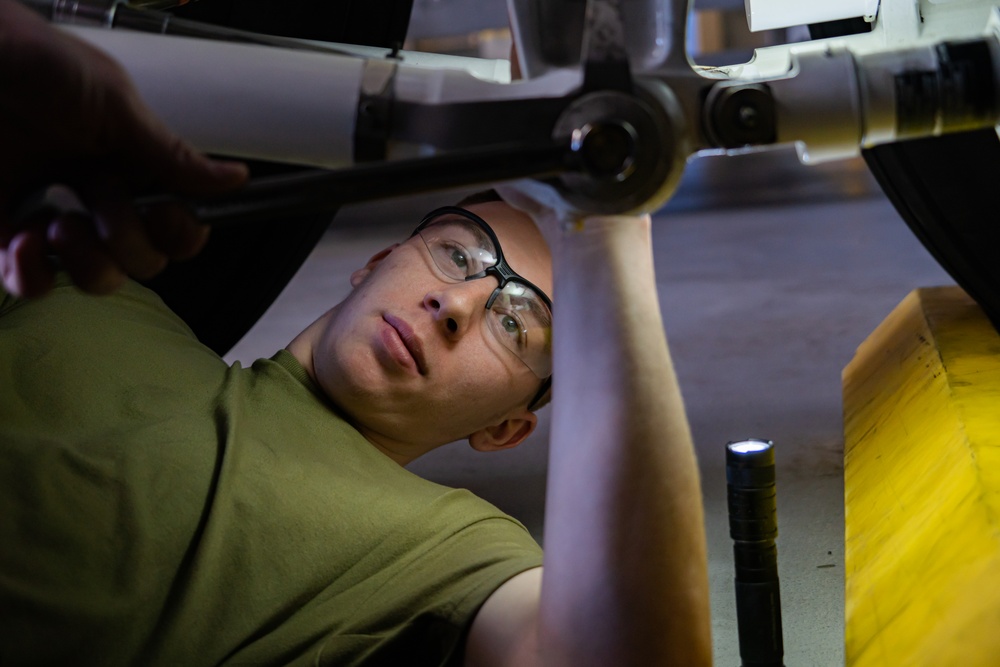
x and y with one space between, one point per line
409 356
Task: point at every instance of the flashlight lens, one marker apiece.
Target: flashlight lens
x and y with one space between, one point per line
749 446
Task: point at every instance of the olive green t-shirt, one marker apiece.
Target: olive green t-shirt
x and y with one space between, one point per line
159 507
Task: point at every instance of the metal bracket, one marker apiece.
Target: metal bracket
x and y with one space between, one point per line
605 58
372 126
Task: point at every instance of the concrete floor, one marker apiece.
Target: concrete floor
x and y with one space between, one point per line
770 275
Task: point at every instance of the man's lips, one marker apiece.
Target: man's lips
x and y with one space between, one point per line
410 341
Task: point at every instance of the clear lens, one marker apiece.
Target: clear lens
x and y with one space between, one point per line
518 317
458 247
521 321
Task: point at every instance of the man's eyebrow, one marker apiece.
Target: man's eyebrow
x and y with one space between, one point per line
535 305
543 313
478 234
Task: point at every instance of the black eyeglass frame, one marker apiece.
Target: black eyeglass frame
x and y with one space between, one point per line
501 270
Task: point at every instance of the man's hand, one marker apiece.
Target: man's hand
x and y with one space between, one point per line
69 114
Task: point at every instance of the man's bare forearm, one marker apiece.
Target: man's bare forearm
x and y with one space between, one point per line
625 578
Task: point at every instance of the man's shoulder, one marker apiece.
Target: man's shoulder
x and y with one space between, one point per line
463 517
67 300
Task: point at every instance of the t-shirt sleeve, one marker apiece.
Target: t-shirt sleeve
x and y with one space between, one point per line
434 593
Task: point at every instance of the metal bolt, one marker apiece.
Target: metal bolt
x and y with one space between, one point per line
607 149
748 117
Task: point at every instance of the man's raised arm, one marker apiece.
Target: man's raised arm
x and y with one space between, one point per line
625 577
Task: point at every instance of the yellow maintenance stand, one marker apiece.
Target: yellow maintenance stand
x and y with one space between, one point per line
922 487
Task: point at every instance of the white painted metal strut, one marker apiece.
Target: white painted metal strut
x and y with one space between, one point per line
830 97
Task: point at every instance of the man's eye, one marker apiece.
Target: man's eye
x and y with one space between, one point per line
458 258
512 328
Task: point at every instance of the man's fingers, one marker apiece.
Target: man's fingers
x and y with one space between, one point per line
174 231
25 266
83 255
97 243
196 174
177 167
122 230
163 159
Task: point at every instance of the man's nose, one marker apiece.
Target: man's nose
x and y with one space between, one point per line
454 307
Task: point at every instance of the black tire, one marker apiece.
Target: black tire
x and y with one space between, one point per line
944 188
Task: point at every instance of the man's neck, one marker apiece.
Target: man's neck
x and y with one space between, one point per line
401 454
303 347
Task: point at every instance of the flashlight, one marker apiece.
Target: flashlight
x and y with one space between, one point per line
753 527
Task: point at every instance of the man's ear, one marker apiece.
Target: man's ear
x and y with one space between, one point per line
508 433
363 272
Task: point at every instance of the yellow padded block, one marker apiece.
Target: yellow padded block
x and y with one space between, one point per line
922 487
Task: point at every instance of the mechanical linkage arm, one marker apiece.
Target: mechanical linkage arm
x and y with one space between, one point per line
610 114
